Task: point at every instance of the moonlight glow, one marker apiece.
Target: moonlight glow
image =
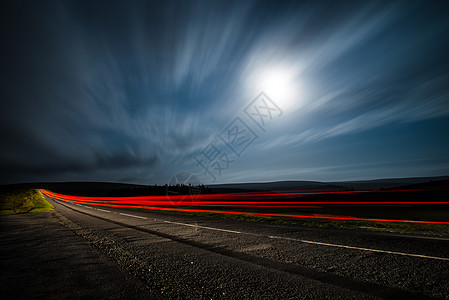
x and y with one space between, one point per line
280 84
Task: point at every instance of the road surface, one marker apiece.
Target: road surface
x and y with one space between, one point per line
178 256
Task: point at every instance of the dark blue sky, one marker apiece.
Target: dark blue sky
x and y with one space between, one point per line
139 91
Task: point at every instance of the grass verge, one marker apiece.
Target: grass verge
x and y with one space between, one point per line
21 201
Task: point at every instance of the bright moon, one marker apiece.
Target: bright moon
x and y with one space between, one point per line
280 84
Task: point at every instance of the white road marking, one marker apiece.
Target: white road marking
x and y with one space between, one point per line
133 216
103 210
358 248
313 242
88 207
210 228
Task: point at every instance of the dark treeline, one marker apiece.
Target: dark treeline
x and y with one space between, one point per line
160 190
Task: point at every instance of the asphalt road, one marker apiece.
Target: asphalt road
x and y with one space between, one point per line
179 256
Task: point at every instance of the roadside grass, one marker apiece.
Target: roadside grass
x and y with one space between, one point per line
437 230
21 201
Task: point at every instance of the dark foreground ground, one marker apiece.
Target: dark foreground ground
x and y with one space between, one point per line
41 258
84 252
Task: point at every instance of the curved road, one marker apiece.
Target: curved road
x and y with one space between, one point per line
178 256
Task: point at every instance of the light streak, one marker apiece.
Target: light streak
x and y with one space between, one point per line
245 200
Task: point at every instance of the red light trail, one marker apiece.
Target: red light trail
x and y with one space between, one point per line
245 200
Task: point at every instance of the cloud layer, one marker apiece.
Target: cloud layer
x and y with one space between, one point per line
133 91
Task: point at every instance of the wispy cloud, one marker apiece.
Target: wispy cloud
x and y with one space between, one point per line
137 92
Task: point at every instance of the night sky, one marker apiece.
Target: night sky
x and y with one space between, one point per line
232 91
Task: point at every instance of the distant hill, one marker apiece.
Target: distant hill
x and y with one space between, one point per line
425 185
80 188
111 188
329 186
388 183
280 186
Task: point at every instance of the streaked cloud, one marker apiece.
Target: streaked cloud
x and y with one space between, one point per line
132 91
